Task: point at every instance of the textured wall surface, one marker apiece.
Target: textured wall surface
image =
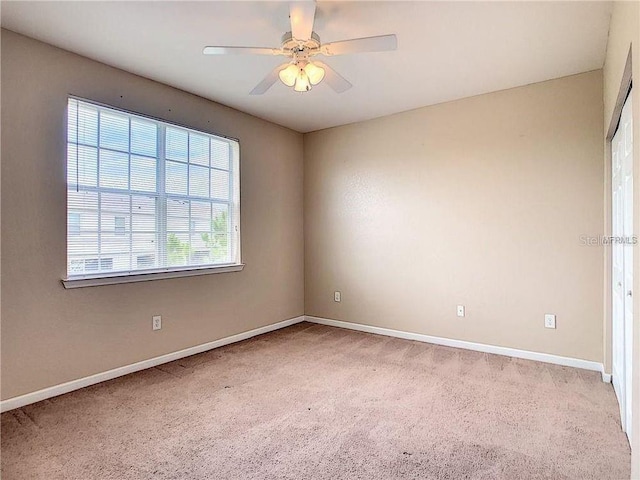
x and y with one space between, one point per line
479 202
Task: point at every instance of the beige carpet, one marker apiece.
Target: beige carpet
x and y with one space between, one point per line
315 402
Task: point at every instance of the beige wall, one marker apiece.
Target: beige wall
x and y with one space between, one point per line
51 335
624 33
479 202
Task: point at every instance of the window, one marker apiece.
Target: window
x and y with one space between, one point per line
153 197
119 226
73 223
145 261
98 264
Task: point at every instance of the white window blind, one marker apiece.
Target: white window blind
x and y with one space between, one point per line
146 196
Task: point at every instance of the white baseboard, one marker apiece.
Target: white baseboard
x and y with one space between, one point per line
480 347
29 398
22 400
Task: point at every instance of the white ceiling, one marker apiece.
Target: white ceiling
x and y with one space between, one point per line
446 50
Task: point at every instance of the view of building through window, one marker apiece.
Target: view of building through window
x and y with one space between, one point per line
144 195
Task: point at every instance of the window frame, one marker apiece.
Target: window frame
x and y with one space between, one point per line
130 276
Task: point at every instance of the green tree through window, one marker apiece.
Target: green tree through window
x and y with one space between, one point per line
218 243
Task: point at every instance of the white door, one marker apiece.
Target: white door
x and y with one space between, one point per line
622 262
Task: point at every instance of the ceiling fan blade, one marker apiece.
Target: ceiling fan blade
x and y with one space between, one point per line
332 78
241 51
268 81
381 43
302 15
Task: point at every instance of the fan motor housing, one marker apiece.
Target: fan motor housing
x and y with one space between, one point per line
292 44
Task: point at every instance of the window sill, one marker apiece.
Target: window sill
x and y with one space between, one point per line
89 281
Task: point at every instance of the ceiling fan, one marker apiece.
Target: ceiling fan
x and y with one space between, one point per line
301 44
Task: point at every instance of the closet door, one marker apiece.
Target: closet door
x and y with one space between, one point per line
622 262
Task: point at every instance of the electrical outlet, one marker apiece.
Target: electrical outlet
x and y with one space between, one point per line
549 320
337 297
157 322
460 310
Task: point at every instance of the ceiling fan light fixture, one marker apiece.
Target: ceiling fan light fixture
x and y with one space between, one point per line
289 75
302 82
299 45
314 73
